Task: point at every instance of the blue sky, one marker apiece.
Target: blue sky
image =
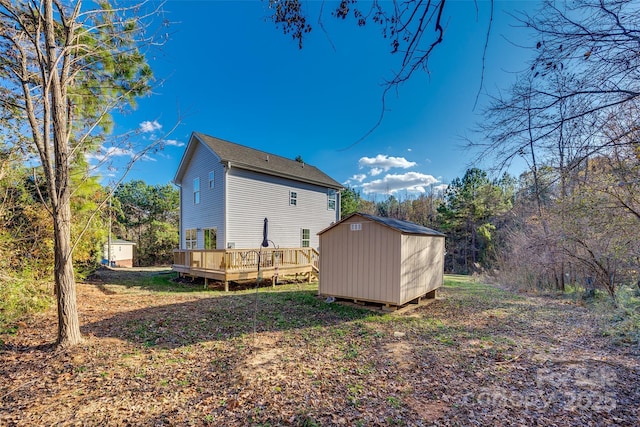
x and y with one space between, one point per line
227 71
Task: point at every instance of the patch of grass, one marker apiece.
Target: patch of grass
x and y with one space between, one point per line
624 321
308 421
21 297
446 340
393 401
162 281
351 352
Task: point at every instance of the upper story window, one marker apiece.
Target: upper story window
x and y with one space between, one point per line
196 191
293 198
212 179
331 199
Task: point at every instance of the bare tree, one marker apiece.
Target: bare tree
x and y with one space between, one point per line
63 69
585 67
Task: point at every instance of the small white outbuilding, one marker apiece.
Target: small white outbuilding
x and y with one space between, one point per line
384 260
120 254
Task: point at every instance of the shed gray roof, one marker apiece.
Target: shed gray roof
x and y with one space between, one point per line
403 226
396 224
243 157
121 242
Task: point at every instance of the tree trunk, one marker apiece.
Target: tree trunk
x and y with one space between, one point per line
68 324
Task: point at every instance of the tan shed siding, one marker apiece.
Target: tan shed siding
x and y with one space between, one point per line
361 264
379 263
396 283
253 196
422 264
209 213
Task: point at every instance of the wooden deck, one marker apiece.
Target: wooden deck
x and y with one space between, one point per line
226 265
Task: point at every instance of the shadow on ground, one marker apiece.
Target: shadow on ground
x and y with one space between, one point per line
222 317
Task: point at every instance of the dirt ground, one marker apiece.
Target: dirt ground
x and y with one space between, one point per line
478 355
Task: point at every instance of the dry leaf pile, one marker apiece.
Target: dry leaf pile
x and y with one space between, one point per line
477 356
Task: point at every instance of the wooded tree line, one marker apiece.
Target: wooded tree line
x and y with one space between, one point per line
557 229
473 212
573 216
142 213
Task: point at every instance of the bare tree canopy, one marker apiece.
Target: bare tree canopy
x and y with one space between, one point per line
572 116
414 29
585 72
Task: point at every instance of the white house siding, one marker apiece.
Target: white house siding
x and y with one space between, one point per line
253 196
209 213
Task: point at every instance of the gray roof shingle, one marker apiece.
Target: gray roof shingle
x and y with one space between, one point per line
403 226
244 157
396 224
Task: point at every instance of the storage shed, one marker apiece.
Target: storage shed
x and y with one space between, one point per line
120 254
370 258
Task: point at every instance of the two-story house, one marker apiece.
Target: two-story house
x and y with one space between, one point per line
227 190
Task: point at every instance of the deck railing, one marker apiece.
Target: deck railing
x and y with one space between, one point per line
238 260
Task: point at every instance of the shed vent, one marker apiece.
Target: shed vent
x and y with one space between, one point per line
356 227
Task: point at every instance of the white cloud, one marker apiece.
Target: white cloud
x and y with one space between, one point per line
440 188
382 163
355 180
104 153
392 183
173 143
148 126
110 153
409 149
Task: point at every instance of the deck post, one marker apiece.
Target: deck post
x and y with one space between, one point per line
206 282
226 286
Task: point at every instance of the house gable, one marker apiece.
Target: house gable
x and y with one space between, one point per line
242 157
209 211
251 185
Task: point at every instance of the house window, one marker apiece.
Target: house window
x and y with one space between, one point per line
293 198
212 181
210 240
196 191
305 237
191 238
331 199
